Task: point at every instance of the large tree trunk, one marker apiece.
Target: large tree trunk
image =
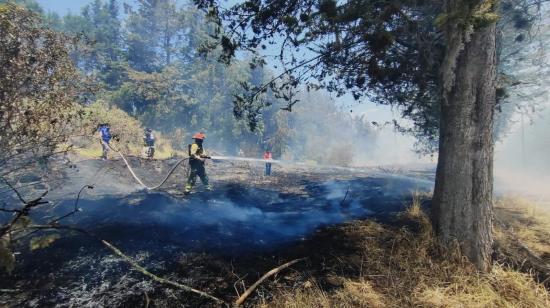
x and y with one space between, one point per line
462 209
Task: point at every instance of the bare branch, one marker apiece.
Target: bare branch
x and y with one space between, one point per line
14 190
272 272
156 278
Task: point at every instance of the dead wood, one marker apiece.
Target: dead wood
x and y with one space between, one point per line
156 278
272 272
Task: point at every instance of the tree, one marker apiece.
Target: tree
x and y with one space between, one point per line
524 65
153 34
435 60
100 50
40 90
29 4
462 202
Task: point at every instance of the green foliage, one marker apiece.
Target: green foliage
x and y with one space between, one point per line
485 14
469 13
126 128
160 78
43 241
7 258
40 89
388 52
151 69
28 4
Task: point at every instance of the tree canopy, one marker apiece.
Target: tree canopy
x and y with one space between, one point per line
388 52
150 62
40 88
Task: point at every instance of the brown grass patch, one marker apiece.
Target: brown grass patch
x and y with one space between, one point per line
526 220
400 264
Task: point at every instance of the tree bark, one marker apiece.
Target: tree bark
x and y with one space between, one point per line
462 208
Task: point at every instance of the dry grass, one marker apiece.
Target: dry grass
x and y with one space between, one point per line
163 149
415 208
526 220
500 288
128 129
401 265
352 294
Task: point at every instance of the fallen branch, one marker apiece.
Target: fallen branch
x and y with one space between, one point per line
272 272
147 300
156 278
28 205
53 225
130 261
344 200
536 260
10 291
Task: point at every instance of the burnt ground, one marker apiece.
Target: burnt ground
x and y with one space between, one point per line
214 241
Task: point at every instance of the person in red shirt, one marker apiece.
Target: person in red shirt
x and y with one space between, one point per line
268 157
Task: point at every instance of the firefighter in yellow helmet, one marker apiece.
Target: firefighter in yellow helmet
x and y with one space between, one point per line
197 157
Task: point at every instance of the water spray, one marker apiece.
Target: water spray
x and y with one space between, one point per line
288 163
247 159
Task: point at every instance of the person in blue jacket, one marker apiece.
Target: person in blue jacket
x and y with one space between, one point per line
105 138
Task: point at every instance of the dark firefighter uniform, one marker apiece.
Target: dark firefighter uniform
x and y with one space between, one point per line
197 156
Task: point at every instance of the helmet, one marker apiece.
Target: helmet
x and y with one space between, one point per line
148 129
199 136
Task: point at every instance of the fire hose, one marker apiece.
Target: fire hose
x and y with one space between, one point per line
138 179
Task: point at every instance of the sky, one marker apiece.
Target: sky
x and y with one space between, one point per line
63 7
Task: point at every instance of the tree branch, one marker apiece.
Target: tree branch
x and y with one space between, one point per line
156 278
272 272
129 260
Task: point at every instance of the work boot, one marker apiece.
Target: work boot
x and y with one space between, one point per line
209 188
187 190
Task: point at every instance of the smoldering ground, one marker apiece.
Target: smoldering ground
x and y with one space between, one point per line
240 218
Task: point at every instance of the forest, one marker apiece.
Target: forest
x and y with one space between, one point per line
148 61
104 112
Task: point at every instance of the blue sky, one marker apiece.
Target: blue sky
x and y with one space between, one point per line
63 7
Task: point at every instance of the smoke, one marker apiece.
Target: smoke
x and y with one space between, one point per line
318 131
521 160
327 131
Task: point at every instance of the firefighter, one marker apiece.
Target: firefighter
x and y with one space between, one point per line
149 142
104 138
197 158
268 157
